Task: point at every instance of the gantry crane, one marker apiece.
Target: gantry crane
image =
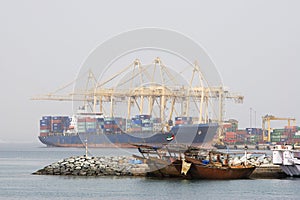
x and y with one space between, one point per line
268 119
146 86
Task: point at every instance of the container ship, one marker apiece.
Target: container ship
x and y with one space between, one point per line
97 131
150 104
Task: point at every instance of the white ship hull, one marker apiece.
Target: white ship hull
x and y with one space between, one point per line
288 159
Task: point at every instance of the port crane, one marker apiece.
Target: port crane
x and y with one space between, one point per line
152 89
267 119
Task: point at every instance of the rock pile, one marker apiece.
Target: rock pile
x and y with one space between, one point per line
96 166
257 161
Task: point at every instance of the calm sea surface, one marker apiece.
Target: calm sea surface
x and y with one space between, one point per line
18 161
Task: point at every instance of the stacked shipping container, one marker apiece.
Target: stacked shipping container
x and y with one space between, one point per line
45 125
140 123
54 125
114 125
183 120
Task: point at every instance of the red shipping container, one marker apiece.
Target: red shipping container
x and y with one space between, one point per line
45 127
113 126
292 129
230 141
177 122
43 134
90 120
136 129
230 134
57 121
241 132
86 119
227 125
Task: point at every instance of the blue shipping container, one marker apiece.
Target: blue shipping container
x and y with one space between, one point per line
110 122
254 131
45 121
100 119
143 116
137 121
57 118
44 124
183 118
57 124
46 117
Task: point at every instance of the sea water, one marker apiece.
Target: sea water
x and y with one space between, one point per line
18 161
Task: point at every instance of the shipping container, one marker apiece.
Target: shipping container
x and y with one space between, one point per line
108 130
290 129
142 117
183 118
43 121
45 131
296 136
276 136
110 122
146 121
43 134
254 131
278 130
178 122
57 117
86 119
230 141
45 127
56 121
147 129
227 125
109 126
136 129
275 139
147 124
108 119
241 132
137 122
230 134
47 117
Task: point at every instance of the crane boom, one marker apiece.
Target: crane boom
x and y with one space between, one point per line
158 87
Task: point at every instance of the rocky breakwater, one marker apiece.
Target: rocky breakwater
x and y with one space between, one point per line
96 166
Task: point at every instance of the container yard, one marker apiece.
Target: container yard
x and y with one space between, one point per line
260 137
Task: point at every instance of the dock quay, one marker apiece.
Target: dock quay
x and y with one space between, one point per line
125 166
251 147
268 171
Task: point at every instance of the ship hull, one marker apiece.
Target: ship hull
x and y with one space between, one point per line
195 135
291 170
200 171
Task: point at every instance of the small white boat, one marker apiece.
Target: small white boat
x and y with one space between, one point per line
287 158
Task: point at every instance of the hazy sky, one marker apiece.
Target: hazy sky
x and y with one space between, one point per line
254 44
